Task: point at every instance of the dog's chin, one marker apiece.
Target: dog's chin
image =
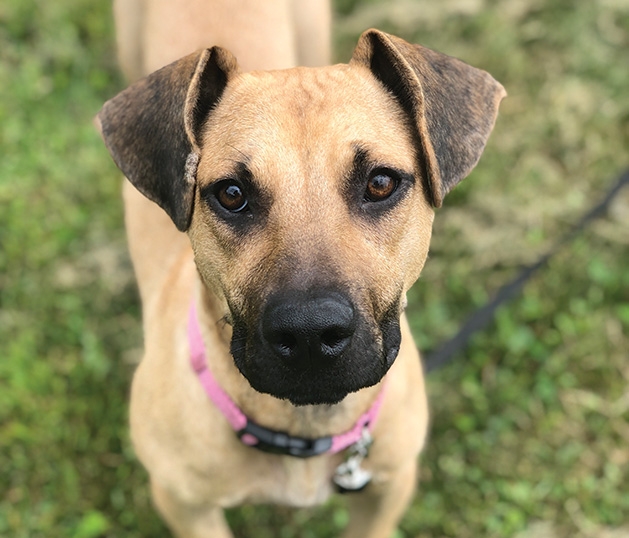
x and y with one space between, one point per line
303 399
310 388
315 386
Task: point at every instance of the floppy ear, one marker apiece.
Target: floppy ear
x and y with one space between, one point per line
452 106
152 128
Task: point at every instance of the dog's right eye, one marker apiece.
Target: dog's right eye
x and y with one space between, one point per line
231 196
380 186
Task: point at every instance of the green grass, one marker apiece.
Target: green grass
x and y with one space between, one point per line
530 426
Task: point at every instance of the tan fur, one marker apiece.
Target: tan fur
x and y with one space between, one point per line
298 130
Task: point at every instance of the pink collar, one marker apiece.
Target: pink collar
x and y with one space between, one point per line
258 436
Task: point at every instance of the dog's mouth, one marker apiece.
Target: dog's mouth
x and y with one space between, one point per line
314 348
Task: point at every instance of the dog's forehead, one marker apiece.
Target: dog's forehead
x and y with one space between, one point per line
313 116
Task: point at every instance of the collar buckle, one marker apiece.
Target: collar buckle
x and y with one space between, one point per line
282 443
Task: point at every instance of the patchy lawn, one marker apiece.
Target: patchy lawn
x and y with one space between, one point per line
530 427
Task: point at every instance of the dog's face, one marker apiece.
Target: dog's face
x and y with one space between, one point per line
310 219
308 196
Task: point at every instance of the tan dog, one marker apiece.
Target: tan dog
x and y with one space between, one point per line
307 196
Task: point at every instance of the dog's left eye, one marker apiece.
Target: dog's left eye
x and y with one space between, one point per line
380 186
231 196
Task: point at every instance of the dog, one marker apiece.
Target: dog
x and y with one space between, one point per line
276 217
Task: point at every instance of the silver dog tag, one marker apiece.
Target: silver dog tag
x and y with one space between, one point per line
349 475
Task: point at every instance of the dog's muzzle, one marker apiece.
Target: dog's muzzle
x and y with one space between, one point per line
314 346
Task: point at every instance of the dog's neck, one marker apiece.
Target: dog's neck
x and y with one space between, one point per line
308 421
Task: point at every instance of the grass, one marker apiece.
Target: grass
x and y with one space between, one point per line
530 426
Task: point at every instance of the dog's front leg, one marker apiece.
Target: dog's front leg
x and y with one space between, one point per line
187 521
376 511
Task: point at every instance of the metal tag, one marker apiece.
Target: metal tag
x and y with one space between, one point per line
349 475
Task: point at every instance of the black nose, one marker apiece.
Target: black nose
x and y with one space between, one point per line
306 329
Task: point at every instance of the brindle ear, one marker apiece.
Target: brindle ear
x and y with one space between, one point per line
452 106
152 129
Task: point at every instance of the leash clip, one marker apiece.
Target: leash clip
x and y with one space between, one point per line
349 476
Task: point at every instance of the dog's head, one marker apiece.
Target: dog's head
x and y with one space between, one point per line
307 195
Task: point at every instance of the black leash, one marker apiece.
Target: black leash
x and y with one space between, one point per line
481 317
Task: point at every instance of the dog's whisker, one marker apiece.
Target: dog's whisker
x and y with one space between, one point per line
245 157
225 320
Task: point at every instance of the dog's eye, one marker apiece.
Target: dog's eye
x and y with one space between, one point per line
231 196
380 186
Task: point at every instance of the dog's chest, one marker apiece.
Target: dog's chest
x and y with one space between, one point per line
288 481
